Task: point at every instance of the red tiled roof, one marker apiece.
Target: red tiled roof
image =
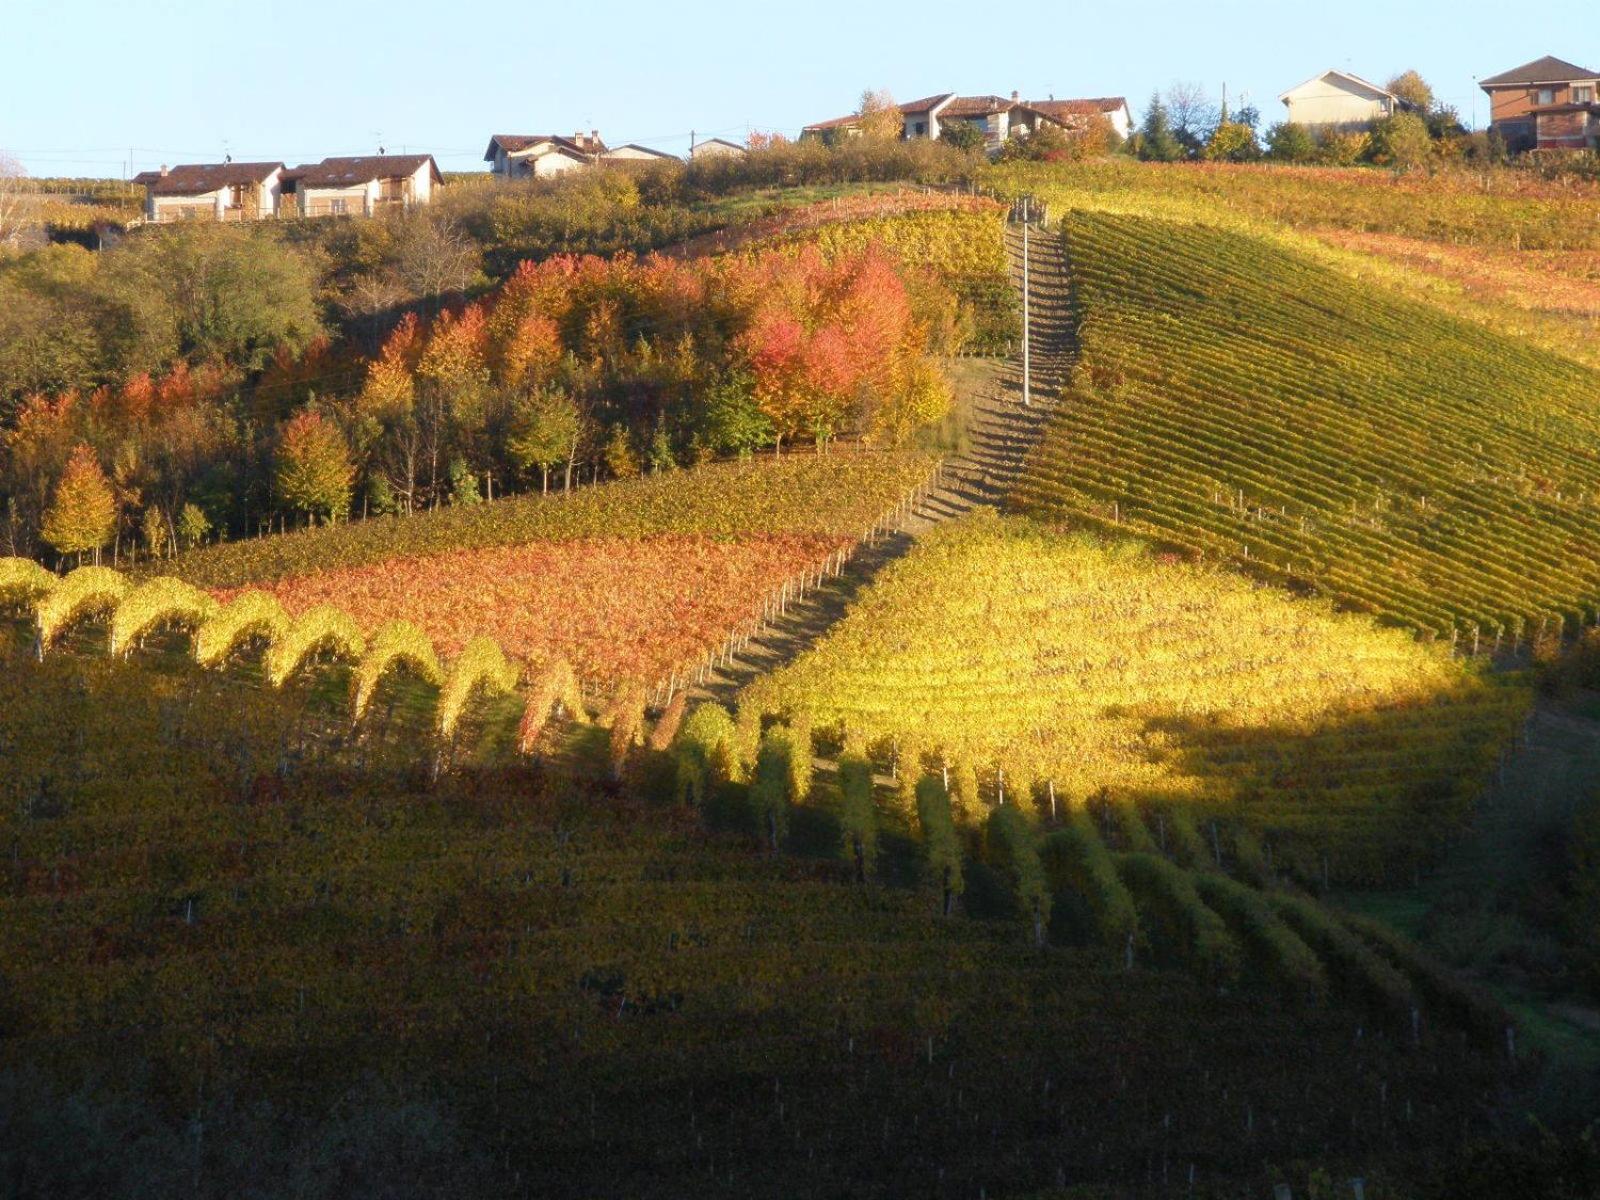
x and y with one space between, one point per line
1540 70
515 143
975 106
350 172
196 179
928 103
1077 108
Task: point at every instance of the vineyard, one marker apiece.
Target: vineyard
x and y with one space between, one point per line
582 993
1060 669
1238 403
1503 249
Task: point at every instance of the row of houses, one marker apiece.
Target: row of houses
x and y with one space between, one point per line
543 155
249 191
370 184
1546 104
998 118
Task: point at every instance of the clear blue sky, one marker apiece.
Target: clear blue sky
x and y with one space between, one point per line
93 87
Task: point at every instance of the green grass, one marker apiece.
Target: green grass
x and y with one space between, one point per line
1237 402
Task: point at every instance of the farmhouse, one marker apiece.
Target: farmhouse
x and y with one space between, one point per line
541 155
1339 100
1547 104
998 118
362 186
225 191
716 148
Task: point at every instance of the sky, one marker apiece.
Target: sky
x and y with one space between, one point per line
102 88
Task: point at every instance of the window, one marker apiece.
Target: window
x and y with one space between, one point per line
1583 93
1547 96
919 128
336 207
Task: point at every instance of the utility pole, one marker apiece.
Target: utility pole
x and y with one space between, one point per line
1027 379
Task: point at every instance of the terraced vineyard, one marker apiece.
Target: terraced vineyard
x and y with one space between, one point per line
1021 659
1237 403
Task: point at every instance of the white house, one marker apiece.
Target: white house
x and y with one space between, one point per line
541 155
1339 100
362 186
226 191
716 148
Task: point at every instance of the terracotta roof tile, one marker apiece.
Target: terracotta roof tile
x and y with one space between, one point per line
1541 70
196 179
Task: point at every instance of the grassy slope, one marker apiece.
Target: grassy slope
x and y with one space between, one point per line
1240 402
586 994
838 493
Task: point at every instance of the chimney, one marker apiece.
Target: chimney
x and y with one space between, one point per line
1015 96
577 136
163 170
594 136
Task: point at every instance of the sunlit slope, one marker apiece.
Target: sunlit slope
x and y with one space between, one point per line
1087 666
1238 402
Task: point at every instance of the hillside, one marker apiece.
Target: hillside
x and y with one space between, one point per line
1237 402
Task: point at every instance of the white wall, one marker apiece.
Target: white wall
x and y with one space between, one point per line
1330 102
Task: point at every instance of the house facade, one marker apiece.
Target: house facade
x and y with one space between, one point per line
1339 100
716 148
542 155
226 191
362 186
1546 104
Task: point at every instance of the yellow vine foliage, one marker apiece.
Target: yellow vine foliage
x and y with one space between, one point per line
627 723
159 601
323 629
248 615
82 593
23 582
395 644
556 686
482 665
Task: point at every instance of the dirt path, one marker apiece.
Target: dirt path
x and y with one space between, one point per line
1000 430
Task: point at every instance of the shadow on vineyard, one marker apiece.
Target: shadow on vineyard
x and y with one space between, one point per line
542 986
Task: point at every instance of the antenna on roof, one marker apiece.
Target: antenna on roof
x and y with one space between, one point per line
227 158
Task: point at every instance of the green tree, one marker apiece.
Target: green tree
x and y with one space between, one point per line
193 526
1400 141
858 815
961 135
730 421
314 472
1232 141
546 427
1288 142
1157 142
83 510
464 483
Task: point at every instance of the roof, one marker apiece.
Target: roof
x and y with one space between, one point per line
349 172
1345 75
976 106
518 143
649 151
835 123
1540 70
719 142
196 179
927 104
1078 108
